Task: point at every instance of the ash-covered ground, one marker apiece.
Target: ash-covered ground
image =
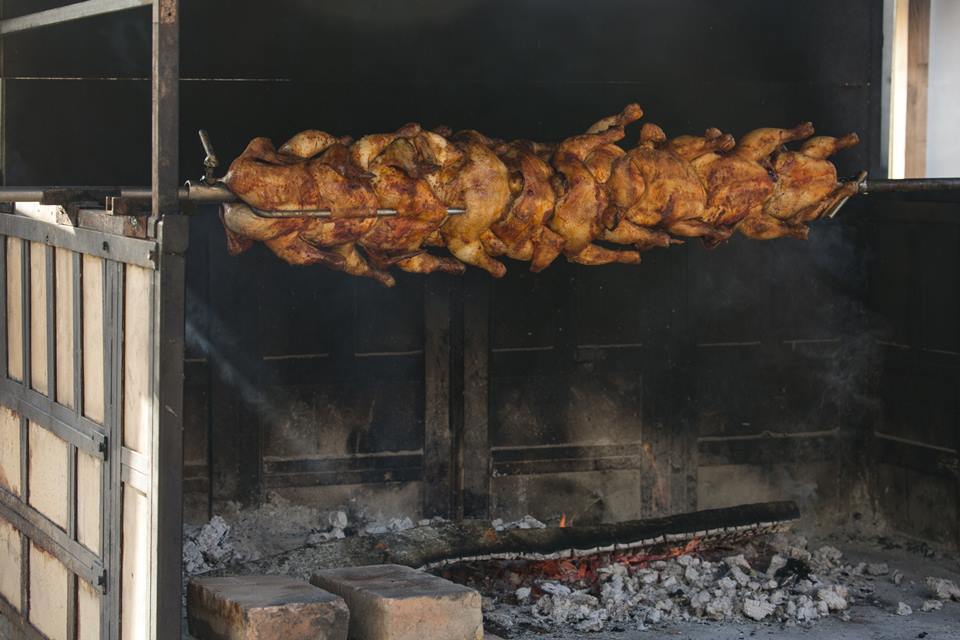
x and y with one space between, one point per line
841 586
235 536
772 585
873 611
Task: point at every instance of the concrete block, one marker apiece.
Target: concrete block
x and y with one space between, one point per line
392 602
264 608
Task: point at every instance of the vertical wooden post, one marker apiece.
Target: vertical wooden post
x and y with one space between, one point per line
908 90
474 442
918 62
437 434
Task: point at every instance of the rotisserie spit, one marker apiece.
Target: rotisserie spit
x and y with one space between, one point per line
585 198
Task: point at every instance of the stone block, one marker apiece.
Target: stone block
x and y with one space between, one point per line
264 608
393 602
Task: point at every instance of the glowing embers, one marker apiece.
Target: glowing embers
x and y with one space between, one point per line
762 577
580 572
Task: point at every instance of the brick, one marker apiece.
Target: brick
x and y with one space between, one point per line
392 602
264 608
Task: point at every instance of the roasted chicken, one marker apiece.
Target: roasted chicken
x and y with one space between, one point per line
587 198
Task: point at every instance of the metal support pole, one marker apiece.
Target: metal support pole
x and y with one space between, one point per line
164 173
167 463
3 113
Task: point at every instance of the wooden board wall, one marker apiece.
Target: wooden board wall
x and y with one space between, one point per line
59 481
71 320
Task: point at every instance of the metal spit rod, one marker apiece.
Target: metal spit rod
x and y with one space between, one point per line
218 193
197 192
908 184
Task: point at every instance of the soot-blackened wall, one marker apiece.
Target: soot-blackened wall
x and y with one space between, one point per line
698 378
914 253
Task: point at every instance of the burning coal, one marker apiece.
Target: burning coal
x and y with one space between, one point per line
768 579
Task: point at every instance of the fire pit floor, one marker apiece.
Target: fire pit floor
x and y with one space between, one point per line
870 610
872 616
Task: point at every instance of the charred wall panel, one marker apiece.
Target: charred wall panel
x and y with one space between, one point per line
615 391
915 275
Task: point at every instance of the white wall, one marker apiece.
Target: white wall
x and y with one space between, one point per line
943 94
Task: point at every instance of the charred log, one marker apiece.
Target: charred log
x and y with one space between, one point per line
452 542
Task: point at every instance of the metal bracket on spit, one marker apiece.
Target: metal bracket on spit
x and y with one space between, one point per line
210 163
860 180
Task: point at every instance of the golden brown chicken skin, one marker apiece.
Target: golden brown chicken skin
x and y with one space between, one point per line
521 230
806 180
525 200
273 180
740 182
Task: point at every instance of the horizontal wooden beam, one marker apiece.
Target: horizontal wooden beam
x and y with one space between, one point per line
43 532
142 253
304 472
59 419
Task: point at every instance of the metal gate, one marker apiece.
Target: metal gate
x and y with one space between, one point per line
91 384
81 446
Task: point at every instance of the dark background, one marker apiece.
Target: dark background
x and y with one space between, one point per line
824 371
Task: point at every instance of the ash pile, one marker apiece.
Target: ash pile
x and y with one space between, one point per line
772 579
246 535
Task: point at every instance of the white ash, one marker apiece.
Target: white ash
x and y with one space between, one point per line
943 589
526 522
835 597
207 547
690 587
239 535
393 525
827 555
338 520
931 605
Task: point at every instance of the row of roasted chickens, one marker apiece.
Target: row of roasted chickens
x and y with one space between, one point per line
585 198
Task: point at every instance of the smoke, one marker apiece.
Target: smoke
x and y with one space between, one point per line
228 364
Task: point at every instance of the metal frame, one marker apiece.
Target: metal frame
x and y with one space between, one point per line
164 254
68 13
